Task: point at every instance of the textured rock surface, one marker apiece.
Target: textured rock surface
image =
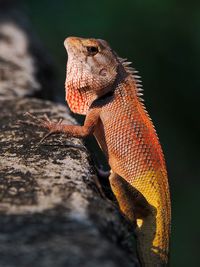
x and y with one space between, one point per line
52 213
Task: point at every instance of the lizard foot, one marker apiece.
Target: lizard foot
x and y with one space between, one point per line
44 122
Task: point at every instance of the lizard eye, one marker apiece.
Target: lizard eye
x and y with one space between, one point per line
92 50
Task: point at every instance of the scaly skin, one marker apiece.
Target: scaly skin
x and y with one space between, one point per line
101 86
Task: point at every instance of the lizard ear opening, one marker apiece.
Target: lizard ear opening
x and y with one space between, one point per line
103 72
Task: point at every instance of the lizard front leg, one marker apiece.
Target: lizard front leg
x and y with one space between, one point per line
88 128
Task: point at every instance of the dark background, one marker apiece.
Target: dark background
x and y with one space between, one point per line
162 38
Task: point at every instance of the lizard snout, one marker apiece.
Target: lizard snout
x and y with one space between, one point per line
71 42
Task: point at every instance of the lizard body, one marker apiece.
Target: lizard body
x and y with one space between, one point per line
103 87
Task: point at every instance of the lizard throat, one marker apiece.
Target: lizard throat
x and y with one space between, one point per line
80 99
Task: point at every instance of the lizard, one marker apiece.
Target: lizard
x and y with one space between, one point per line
103 87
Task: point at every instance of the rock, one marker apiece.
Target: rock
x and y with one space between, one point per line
52 213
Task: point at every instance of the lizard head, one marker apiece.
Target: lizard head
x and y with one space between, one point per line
91 71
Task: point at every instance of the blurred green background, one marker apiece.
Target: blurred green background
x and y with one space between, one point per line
162 38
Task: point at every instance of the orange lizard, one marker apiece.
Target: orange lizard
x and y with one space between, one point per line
103 87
